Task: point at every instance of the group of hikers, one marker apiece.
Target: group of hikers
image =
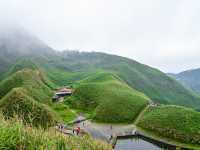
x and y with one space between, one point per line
76 130
61 127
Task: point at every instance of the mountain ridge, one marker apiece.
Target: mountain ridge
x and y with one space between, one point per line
190 79
70 67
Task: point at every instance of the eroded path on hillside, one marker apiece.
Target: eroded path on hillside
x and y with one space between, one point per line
141 114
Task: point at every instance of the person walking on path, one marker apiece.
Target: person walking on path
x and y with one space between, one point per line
78 130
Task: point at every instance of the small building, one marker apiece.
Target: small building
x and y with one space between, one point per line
64 92
61 93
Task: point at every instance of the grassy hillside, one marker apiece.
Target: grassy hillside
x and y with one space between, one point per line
32 80
67 67
64 112
174 122
152 82
14 135
190 79
17 43
109 99
16 102
22 64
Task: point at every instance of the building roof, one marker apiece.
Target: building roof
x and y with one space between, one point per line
67 90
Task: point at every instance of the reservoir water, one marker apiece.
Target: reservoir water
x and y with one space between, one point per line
139 143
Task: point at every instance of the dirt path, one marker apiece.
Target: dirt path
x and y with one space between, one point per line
140 115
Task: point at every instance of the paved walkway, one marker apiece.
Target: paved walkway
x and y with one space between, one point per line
104 131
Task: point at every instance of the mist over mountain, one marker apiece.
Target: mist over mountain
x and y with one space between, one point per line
17 43
21 42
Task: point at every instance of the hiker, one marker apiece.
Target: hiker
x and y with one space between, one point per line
111 137
110 127
78 130
61 128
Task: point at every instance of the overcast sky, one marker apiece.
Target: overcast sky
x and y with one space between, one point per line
161 33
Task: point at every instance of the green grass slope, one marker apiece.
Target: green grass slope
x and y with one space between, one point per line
176 122
32 80
154 83
22 64
109 99
15 135
16 102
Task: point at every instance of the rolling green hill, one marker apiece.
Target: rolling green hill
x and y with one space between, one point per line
108 98
65 68
109 88
16 102
32 80
20 65
176 122
152 82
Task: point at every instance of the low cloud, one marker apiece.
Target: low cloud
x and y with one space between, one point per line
163 34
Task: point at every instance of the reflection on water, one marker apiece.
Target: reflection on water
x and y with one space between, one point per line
138 143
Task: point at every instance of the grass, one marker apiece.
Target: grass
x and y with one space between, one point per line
156 136
175 122
14 135
150 81
64 112
33 81
16 102
20 65
65 68
36 86
108 99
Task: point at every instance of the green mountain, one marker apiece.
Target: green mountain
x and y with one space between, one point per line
35 85
175 122
190 79
17 43
66 68
152 82
33 81
107 88
16 102
20 65
108 98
